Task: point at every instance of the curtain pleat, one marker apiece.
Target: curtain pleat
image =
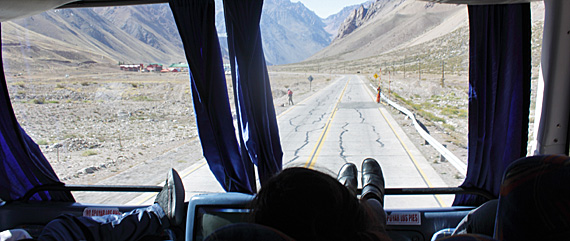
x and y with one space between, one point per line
196 24
257 122
499 94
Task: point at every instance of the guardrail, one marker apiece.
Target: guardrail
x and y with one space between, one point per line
458 164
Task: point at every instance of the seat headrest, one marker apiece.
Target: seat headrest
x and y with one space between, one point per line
534 202
247 232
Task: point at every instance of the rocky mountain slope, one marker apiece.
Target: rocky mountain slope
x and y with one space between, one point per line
291 28
148 33
333 22
386 25
104 35
290 32
152 24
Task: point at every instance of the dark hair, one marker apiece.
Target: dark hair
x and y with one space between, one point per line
310 205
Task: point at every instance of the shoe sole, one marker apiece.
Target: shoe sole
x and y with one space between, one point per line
178 199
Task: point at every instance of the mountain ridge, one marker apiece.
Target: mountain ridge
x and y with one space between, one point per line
148 33
334 21
386 25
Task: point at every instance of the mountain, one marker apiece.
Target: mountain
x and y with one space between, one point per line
290 32
22 49
148 33
334 21
131 35
152 24
388 25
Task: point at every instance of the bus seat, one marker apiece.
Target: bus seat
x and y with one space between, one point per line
247 232
534 201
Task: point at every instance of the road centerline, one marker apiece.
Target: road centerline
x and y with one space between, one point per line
315 153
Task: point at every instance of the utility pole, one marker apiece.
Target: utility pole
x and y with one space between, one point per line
442 73
419 70
404 66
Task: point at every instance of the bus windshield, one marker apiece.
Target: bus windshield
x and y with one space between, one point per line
105 92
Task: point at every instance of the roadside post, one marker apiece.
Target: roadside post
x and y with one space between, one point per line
388 87
378 89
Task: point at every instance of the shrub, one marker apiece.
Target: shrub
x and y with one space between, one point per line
449 127
42 142
89 153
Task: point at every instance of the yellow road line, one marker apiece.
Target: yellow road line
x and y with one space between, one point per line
147 196
438 199
317 149
424 176
183 175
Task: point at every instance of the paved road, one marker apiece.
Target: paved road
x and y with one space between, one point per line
340 124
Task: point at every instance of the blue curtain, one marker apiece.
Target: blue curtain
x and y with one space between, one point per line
195 21
257 123
23 166
499 94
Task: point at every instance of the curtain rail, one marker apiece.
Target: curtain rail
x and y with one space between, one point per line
91 188
108 3
141 188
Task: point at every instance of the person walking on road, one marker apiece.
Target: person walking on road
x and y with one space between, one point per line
290 94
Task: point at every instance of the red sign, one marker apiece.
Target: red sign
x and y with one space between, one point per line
404 218
91 212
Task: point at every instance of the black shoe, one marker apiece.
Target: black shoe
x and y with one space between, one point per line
347 177
372 180
171 198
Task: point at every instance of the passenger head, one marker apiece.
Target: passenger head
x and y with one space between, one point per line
310 205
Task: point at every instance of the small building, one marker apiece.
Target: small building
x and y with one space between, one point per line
180 67
153 67
131 67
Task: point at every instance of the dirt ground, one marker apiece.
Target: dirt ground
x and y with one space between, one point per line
121 128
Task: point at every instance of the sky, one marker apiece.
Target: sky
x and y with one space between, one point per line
325 8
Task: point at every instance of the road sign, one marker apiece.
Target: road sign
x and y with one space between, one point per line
376 76
310 78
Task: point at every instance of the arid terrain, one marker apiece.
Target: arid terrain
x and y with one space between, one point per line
121 128
128 128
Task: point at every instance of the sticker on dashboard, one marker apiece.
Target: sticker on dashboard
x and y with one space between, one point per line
91 212
404 218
